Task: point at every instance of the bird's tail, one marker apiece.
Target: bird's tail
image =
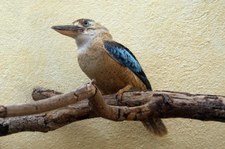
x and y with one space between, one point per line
155 126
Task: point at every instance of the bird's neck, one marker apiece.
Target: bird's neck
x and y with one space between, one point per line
85 42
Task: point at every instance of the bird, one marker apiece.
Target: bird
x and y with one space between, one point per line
113 66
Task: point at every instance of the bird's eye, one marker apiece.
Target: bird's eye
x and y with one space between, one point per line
86 23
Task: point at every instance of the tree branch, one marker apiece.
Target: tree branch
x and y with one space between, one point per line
133 106
51 103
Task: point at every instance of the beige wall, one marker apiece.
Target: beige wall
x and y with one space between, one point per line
180 44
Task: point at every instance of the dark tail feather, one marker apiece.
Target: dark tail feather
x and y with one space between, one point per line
156 126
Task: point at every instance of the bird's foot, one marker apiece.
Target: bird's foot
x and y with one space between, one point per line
93 82
119 94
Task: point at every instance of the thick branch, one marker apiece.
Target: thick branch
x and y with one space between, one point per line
132 106
118 113
164 104
46 122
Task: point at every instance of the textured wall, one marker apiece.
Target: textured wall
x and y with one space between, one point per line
180 44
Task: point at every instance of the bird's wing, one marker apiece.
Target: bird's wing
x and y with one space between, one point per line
125 57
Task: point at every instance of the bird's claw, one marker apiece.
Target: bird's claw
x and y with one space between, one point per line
119 95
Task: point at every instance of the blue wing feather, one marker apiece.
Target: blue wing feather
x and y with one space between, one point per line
126 58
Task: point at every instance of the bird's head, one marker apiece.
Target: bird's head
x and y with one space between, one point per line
81 30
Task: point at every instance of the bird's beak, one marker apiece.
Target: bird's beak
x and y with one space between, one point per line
68 30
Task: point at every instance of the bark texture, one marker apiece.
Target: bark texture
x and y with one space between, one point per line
87 102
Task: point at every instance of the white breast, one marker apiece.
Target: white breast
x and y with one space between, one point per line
90 59
84 43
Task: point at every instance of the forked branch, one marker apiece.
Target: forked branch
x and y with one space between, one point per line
133 106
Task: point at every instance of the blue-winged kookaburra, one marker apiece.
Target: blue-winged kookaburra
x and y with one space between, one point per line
111 64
